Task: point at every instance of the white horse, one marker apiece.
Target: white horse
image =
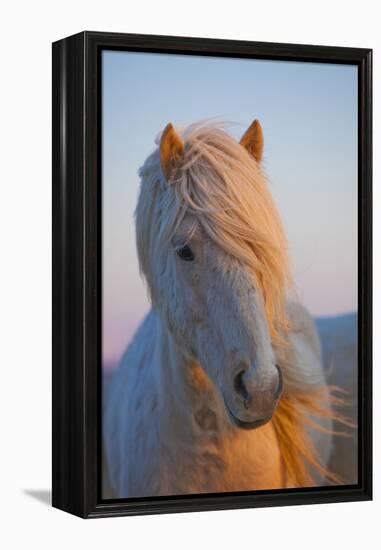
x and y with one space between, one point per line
222 388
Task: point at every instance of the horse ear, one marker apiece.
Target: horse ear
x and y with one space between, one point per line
252 140
171 151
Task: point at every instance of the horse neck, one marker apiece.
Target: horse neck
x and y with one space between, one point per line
192 419
184 390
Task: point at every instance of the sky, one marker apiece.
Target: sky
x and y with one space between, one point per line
308 112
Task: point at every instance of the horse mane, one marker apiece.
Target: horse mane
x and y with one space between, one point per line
226 190
294 414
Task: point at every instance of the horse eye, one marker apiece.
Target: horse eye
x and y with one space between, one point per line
185 253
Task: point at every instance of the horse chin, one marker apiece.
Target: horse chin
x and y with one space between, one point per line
245 424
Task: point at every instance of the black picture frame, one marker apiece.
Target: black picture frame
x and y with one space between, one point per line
77 397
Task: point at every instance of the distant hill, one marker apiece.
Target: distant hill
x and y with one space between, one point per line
338 337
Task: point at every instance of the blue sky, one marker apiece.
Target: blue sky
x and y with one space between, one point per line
308 112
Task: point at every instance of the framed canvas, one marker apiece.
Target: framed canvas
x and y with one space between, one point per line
211 274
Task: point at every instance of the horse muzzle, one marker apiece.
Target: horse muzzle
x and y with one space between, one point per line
255 397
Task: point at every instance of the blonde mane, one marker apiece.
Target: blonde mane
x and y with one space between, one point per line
224 187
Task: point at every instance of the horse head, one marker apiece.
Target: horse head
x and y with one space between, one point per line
212 248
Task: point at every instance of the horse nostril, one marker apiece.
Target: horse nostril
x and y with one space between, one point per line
240 387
